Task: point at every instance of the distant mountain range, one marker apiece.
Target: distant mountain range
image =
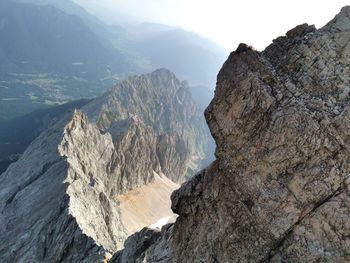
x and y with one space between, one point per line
71 8
54 51
151 45
43 38
191 56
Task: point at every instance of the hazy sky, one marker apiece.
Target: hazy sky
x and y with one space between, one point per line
227 22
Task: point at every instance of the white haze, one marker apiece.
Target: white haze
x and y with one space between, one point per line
227 22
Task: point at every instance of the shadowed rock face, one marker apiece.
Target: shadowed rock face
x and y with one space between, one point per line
279 189
72 195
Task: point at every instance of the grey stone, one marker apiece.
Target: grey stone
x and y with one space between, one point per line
62 201
279 188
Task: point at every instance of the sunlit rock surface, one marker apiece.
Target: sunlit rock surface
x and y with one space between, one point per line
279 188
75 194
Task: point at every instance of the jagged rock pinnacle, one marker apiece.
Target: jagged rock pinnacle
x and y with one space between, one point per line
279 189
101 173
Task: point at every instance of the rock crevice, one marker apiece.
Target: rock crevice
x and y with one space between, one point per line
278 189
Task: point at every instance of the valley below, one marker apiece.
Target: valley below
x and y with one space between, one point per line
114 148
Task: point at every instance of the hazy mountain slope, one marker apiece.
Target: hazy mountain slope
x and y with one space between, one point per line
45 39
75 192
189 55
71 8
148 46
279 190
54 51
50 57
18 133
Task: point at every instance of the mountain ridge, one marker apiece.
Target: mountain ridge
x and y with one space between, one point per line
74 53
83 168
279 187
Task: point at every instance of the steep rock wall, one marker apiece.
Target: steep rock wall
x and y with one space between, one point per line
279 189
65 199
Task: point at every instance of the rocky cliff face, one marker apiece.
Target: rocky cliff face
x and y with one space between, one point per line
164 103
76 192
36 225
279 188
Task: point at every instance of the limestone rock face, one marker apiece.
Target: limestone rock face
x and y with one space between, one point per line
35 222
76 192
279 188
164 103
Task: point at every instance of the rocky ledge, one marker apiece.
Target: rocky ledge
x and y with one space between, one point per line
279 188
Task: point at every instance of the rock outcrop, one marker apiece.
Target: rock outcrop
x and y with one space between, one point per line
164 103
279 188
76 192
35 222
